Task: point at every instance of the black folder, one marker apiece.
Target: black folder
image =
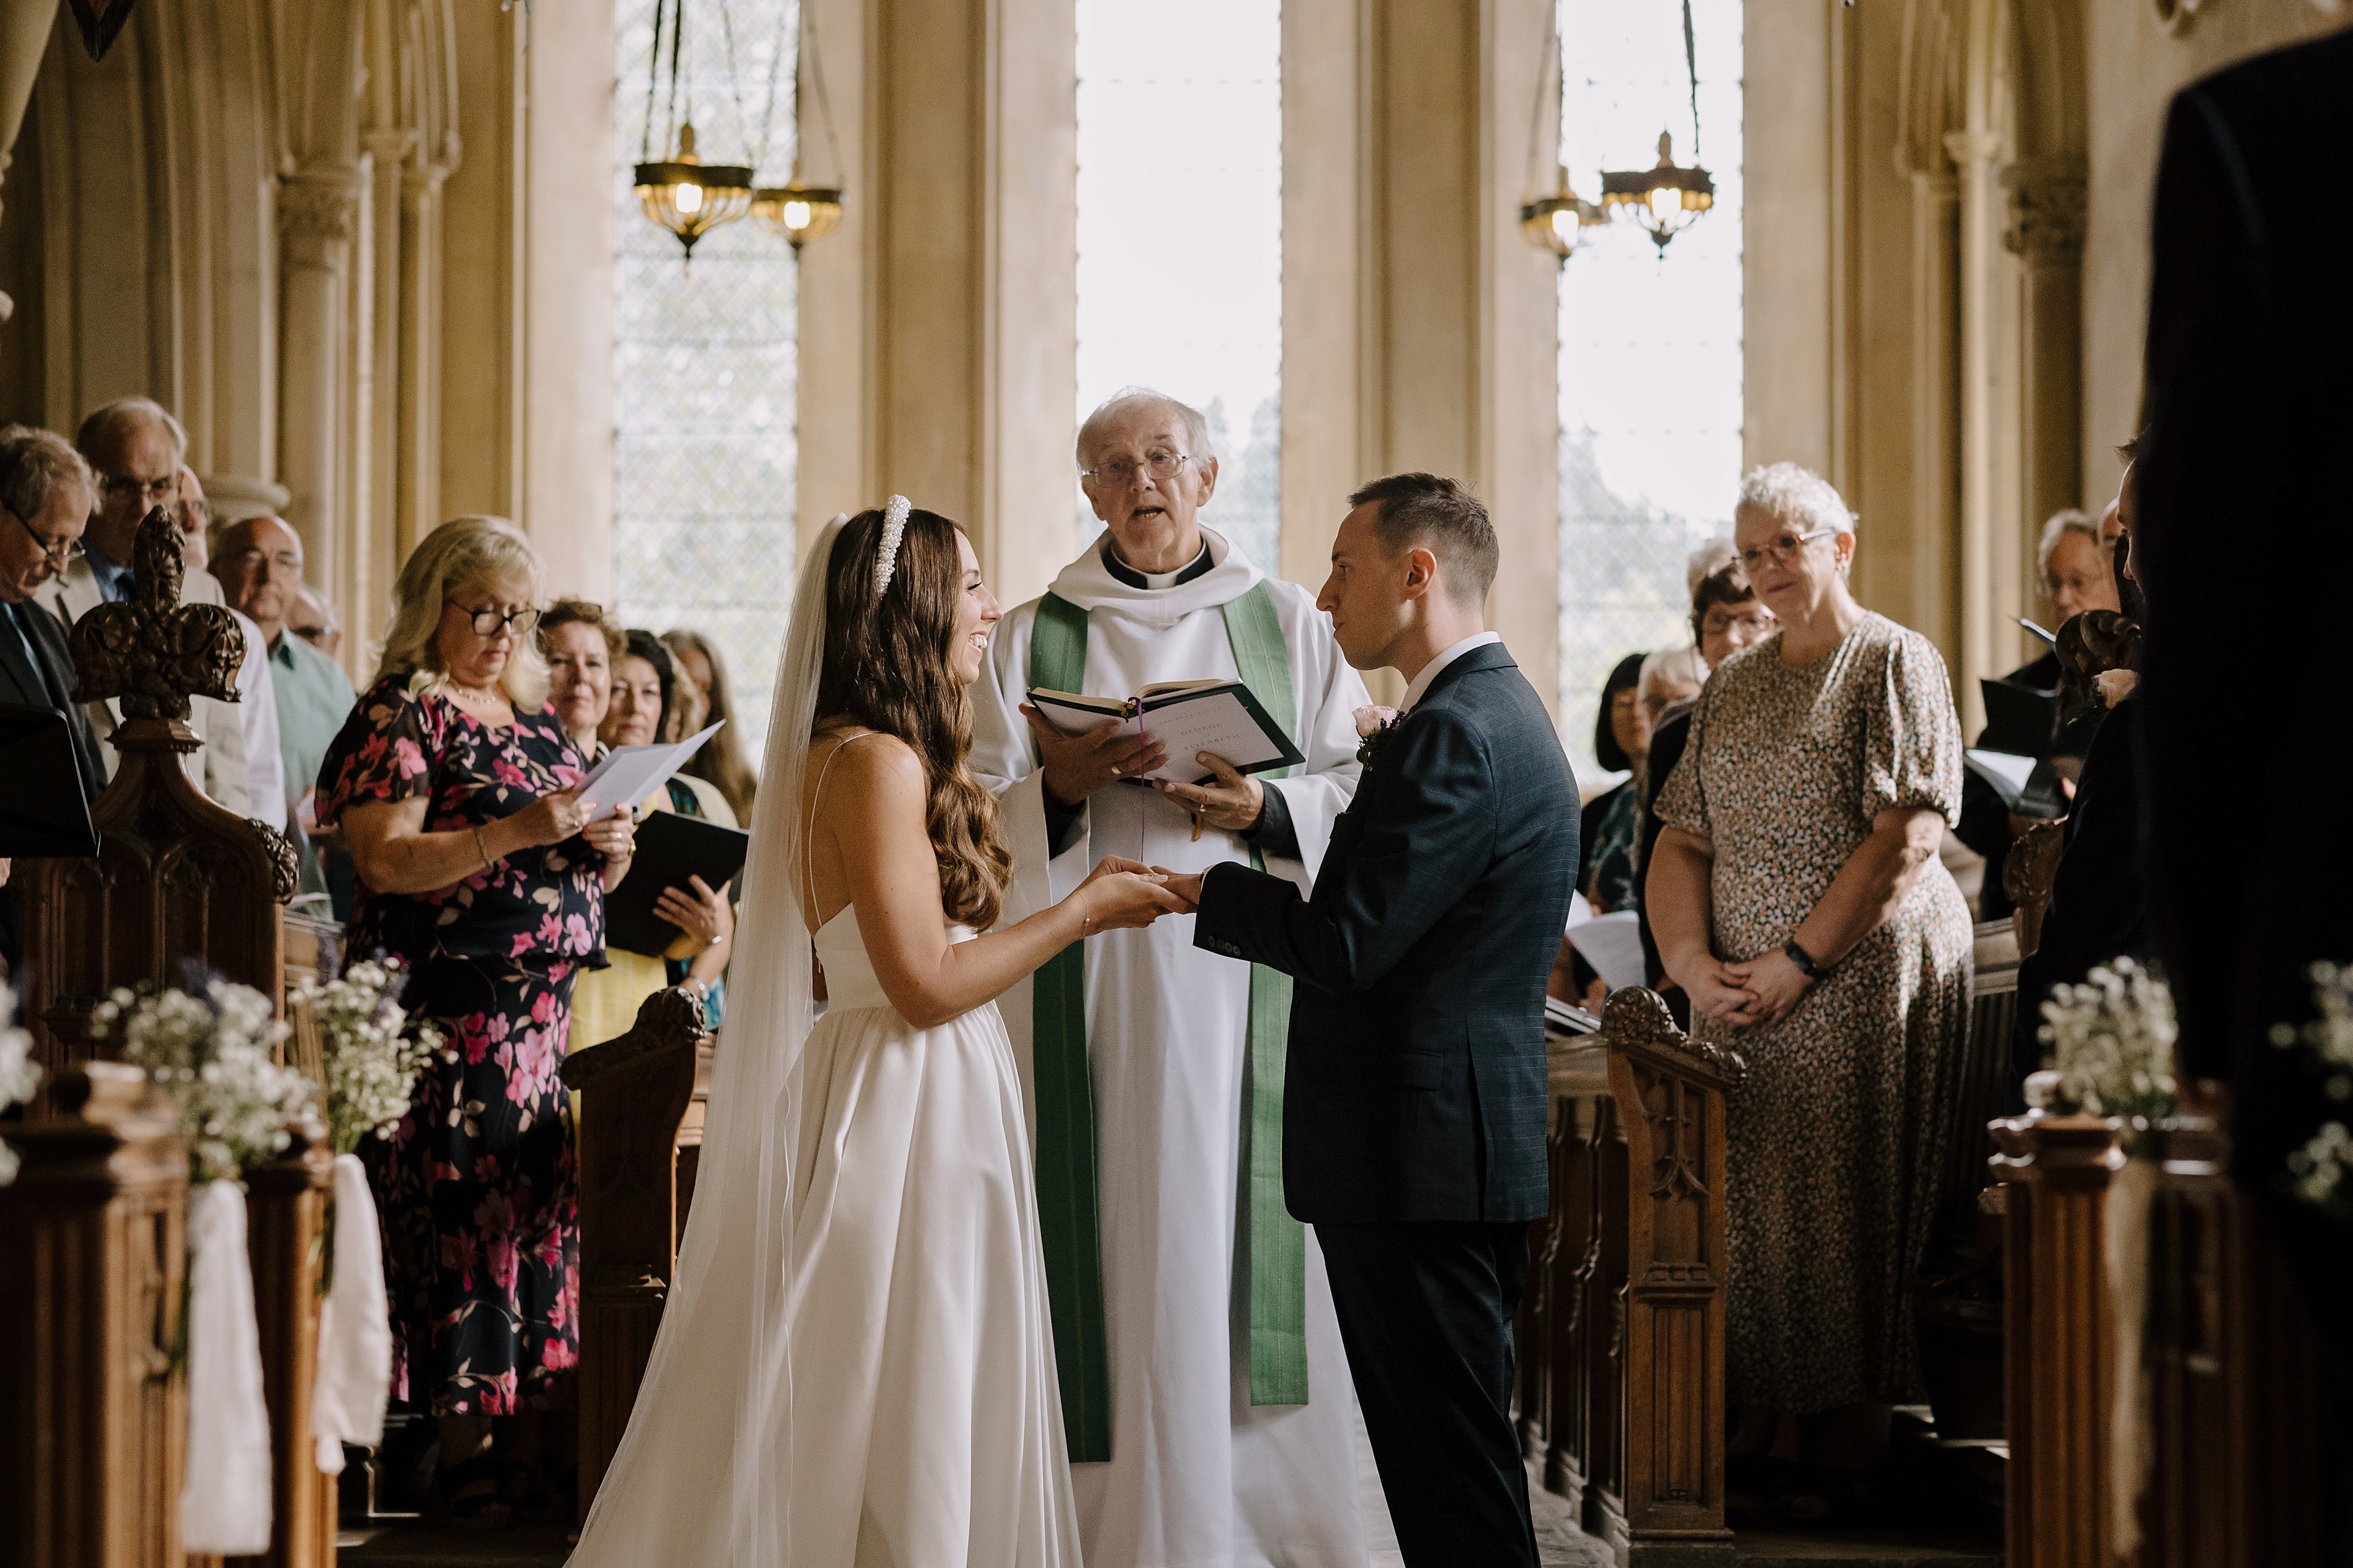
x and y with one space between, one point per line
42 812
671 848
2021 720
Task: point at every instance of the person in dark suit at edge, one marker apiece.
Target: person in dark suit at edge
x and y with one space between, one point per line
1414 1099
47 491
2249 404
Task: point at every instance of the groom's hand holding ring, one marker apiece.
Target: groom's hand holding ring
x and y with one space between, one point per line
1076 766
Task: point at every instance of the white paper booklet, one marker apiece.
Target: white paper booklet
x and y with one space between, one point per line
1612 943
629 774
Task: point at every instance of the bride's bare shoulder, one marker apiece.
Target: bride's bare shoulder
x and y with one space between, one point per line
863 766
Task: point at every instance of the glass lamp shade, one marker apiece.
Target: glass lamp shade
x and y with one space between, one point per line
1664 199
1551 222
690 197
798 212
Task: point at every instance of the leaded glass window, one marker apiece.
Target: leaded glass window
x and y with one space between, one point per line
1650 345
1181 234
704 447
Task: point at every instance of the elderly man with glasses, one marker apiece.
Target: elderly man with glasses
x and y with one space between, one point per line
1205 1391
135 450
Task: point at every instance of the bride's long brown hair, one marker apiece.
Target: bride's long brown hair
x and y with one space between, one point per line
887 668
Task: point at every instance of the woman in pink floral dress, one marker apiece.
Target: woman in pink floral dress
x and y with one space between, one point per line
477 866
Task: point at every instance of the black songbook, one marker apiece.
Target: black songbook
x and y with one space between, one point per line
2021 720
42 812
671 847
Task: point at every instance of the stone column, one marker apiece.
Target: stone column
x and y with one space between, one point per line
2045 232
318 214
24 28
938 348
1974 153
1417 326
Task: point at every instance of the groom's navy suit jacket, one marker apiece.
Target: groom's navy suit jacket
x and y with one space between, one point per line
1415 1088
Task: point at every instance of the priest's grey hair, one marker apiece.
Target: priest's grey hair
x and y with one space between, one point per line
1797 494
1130 398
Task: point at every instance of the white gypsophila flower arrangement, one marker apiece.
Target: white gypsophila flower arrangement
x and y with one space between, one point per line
2321 1173
371 1051
19 1074
215 1057
2111 1042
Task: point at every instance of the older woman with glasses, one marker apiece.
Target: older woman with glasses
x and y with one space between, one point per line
477 866
1798 899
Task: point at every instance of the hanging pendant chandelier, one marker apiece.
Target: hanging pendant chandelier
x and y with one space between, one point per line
1667 198
1550 221
690 197
1664 198
799 210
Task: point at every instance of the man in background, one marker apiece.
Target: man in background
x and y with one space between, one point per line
260 564
256 698
311 618
45 490
135 450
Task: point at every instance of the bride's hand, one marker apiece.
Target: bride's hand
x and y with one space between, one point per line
1120 895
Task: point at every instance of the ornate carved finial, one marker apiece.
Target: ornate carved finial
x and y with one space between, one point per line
1637 1015
2046 211
285 870
671 1014
153 652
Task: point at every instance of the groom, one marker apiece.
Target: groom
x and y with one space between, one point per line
1414 1105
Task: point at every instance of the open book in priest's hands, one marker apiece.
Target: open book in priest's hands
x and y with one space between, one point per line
1188 717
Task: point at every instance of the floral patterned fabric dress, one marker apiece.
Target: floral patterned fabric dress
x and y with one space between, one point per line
476 1186
1835 1137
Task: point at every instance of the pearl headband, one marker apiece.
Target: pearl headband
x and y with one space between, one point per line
886 558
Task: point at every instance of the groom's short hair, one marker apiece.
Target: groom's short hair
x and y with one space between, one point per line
1443 517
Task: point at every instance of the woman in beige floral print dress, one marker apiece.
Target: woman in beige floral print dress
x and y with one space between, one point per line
1798 900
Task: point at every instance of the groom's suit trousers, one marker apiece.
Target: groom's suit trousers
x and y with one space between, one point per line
1426 1310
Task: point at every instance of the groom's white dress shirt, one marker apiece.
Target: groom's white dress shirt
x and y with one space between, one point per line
1429 672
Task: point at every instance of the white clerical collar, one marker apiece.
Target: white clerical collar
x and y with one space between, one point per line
1414 692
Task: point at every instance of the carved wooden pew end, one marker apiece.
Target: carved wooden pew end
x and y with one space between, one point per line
634 1095
1626 1320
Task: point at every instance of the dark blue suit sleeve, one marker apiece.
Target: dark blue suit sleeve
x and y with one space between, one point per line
1425 834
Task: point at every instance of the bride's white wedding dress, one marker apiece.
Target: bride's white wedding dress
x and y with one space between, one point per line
923 1352
856 1363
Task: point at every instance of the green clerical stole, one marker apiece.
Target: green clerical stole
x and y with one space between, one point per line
1276 1244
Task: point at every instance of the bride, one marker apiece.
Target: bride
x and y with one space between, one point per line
856 1363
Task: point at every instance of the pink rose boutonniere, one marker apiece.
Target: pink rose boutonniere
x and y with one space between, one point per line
1374 724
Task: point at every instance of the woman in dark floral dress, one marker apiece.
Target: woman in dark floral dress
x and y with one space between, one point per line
479 866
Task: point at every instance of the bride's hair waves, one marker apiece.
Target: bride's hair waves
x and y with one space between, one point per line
887 666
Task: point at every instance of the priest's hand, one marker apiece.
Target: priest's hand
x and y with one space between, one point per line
1231 803
1078 765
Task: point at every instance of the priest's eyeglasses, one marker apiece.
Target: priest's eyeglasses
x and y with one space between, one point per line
60 554
491 621
1121 471
1783 550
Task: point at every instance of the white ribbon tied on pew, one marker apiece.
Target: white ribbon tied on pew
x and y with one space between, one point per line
225 1497
347 1401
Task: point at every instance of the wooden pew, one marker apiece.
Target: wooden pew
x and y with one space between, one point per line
286 1218
176 878
636 1093
2057 1321
93 1399
1628 1319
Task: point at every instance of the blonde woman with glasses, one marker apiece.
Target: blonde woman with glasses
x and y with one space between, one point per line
479 866
1797 897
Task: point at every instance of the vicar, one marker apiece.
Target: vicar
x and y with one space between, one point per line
1205 1391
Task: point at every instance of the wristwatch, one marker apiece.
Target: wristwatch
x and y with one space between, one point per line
1801 959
